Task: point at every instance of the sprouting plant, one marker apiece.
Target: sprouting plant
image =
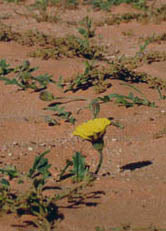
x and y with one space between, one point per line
101 4
142 48
39 172
94 107
24 78
106 4
4 68
6 196
10 171
34 201
92 76
15 1
127 101
79 171
67 4
86 31
162 97
60 112
44 15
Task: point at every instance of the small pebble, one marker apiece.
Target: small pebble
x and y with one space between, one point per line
42 145
9 154
30 149
120 150
114 139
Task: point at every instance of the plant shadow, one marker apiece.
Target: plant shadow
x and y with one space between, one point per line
136 165
86 200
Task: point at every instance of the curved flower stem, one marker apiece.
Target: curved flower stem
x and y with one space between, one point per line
100 162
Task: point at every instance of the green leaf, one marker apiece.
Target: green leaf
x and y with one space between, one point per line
60 82
62 113
79 168
94 106
117 124
83 32
5 183
10 171
9 81
46 96
68 164
40 165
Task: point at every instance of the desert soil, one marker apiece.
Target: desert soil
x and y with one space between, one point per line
131 187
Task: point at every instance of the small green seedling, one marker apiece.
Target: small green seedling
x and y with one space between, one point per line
128 101
162 97
40 168
60 112
80 171
24 78
86 31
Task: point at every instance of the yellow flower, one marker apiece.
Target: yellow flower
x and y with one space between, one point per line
93 129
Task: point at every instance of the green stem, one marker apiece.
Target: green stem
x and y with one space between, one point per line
100 162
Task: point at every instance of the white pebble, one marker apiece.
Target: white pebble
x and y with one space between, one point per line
114 139
30 149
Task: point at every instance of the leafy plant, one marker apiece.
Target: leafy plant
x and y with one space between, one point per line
60 112
127 101
86 31
34 201
43 14
106 4
79 171
40 168
162 97
4 68
24 78
10 171
7 197
94 107
31 201
65 4
92 76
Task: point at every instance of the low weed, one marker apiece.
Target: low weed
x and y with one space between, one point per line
79 171
99 77
127 101
106 5
92 76
50 47
154 38
60 112
160 134
43 14
70 46
162 97
32 200
154 15
14 1
87 30
64 4
23 76
141 57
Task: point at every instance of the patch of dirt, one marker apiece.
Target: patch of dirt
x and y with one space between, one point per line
131 187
